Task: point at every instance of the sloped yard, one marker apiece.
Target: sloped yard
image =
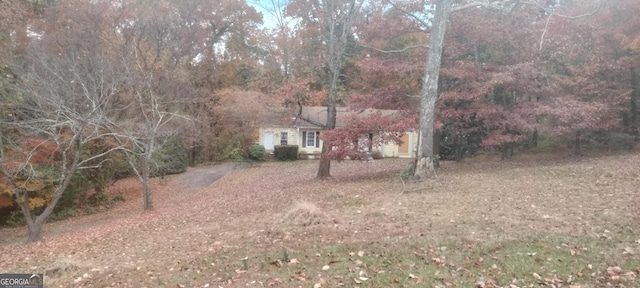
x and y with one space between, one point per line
524 223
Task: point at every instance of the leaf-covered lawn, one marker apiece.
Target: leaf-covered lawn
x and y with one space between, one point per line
520 223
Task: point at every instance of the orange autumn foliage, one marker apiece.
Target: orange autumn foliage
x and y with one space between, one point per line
33 151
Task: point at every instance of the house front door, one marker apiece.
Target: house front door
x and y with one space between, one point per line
268 141
404 147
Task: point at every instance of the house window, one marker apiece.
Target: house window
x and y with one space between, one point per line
365 142
284 138
311 139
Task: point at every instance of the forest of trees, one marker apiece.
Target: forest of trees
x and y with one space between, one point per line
104 89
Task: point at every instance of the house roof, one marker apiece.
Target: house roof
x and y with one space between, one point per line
316 116
276 118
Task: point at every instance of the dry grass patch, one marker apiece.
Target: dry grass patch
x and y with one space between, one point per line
303 214
63 270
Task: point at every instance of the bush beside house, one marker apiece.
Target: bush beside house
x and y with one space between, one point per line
285 152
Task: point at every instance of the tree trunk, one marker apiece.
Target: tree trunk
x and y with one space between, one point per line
635 94
476 57
458 148
34 226
34 233
436 148
576 144
336 50
503 149
324 170
35 229
193 155
148 203
425 157
507 151
22 198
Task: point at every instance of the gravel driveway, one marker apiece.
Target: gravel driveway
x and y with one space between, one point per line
197 178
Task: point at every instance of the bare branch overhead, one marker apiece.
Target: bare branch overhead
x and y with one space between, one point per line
408 13
505 6
552 12
396 50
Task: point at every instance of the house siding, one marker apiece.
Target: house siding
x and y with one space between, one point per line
270 137
392 150
269 134
295 137
309 152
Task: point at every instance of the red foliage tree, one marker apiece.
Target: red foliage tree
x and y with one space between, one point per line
391 66
589 86
364 130
490 76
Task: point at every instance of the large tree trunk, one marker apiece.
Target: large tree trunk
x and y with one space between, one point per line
324 170
424 167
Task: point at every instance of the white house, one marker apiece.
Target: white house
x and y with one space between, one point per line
304 131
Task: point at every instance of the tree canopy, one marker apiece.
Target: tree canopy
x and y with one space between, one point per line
85 82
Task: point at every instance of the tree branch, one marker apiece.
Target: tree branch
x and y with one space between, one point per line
299 116
97 156
406 12
544 32
552 13
497 5
397 50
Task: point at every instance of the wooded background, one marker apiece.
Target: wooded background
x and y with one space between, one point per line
105 89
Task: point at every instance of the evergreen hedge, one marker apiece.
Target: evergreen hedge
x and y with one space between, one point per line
285 152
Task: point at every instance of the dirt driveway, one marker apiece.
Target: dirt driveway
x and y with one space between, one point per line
197 178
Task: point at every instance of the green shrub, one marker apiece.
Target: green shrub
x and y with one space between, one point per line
285 152
406 173
257 152
90 210
237 154
61 215
76 192
16 219
99 199
119 197
171 158
104 172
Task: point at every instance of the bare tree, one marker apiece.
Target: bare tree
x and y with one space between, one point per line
155 46
64 97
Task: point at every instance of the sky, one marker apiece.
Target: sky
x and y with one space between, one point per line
263 7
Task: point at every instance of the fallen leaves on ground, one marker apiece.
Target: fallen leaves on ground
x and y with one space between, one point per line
192 235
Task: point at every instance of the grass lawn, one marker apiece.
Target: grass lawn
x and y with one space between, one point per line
528 222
